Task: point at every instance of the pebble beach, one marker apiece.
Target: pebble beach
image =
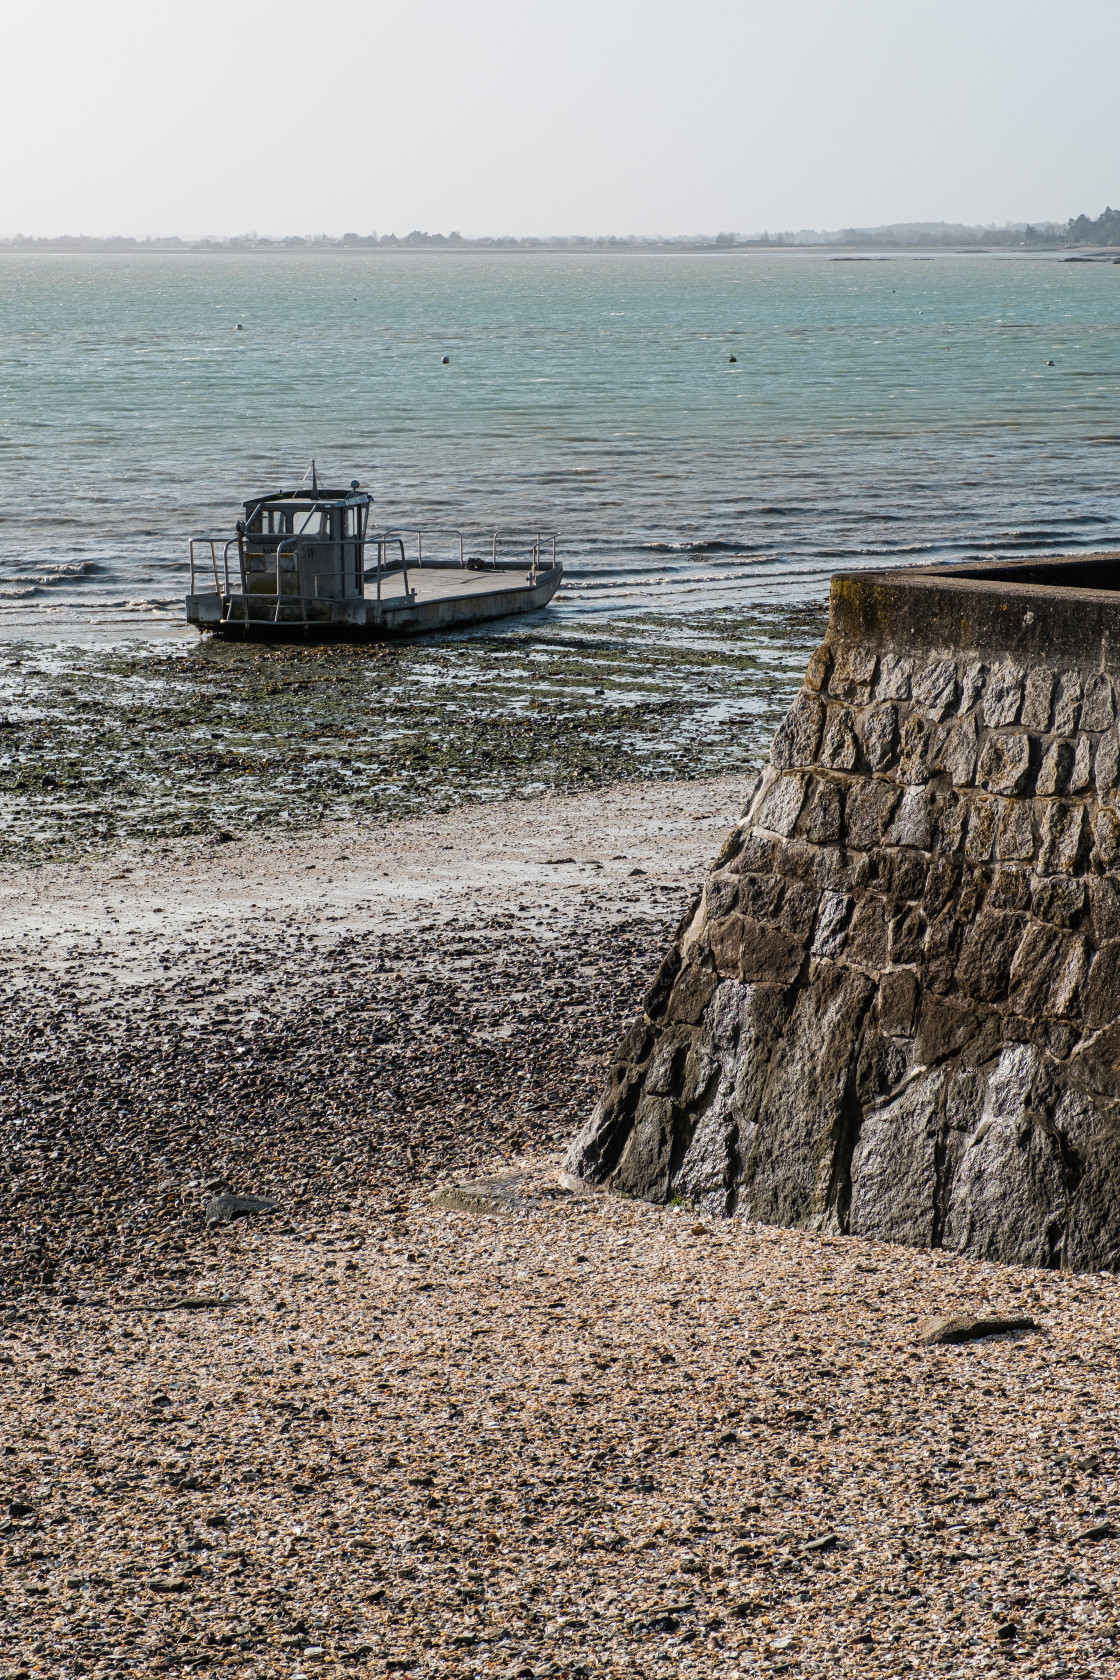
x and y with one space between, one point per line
392 1427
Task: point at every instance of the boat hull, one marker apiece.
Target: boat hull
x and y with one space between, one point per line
428 608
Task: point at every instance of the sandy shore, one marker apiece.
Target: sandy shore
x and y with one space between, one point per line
589 1438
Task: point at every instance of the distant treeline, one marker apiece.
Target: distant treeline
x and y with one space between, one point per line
1095 230
1079 230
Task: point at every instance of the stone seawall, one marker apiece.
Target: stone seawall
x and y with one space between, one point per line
895 1008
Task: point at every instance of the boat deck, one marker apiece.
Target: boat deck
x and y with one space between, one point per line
427 597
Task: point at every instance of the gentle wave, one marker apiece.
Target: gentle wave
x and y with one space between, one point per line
593 395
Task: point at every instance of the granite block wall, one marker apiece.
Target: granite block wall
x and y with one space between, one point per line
895 1008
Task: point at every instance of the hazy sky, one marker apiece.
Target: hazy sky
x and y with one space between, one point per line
553 116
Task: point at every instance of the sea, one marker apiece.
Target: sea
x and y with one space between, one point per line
700 430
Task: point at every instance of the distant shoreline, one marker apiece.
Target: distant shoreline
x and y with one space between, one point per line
834 253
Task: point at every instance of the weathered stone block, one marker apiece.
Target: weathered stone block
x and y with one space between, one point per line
868 808
944 1029
934 688
690 995
789 1160
1081 772
1053 774
721 895
1029 980
1038 697
1102 989
972 676
799 733
1106 835
959 753
866 944
987 952
1067 706
1098 710
942 884
951 822
820 664
1010 888
1106 766
1015 834
666 1064
852 671
1008 1183
912 822
982 816
1062 838
781 805
1068 967
919 743
879 731
769 954
908 873
894 1167
894 677
1058 900
840 749
799 908
1002 696
822 815
1005 763
898 1002
832 921
644 1167
760 895
906 936
725 942
1104 908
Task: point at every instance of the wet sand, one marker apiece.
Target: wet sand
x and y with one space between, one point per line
592 1437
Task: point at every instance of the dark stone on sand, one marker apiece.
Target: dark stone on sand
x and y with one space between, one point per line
221 1209
949 1332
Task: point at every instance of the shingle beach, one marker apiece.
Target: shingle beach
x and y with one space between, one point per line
376 1432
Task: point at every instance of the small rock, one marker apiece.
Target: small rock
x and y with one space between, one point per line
943 1332
1007 1631
18 1508
221 1209
823 1543
1099 1531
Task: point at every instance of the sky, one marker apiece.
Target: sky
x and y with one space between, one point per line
221 117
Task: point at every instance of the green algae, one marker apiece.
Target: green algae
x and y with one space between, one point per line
99 748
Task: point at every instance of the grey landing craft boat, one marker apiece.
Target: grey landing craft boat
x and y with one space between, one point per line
307 564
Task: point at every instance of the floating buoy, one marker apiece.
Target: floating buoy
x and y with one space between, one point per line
733 358
446 359
1049 364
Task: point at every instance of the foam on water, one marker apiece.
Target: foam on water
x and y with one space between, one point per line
887 411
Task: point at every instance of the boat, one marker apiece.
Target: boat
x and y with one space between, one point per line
308 564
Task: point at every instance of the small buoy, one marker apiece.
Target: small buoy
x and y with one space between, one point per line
733 358
1049 364
446 359
240 328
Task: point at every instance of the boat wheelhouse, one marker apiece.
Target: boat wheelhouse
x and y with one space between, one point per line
307 563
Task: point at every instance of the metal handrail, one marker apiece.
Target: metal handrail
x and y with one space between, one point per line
535 550
212 543
397 532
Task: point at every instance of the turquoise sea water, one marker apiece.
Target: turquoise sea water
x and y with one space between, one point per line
876 410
